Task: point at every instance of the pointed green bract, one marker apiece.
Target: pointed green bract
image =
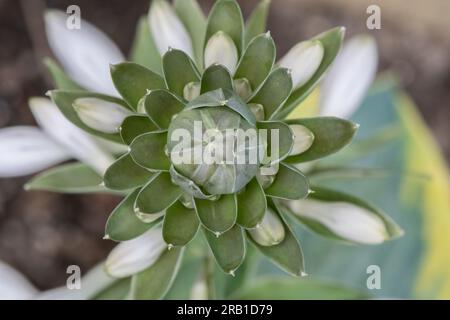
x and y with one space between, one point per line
289 183
60 78
217 215
216 77
257 60
330 135
288 254
161 106
144 51
252 205
194 20
149 150
67 178
284 139
228 249
180 225
122 224
331 41
133 81
226 16
125 174
65 99
179 70
154 282
158 194
256 23
134 126
273 92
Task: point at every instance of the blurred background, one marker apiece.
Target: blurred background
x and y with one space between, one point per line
41 233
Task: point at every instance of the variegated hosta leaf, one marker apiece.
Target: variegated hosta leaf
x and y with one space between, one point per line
280 140
330 135
256 23
68 178
132 256
100 115
133 81
125 174
180 225
287 254
161 106
252 205
167 29
331 41
303 139
270 231
220 49
273 92
344 217
158 194
257 60
60 79
289 183
218 215
226 16
149 150
179 70
134 126
27 150
154 282
303 60
216 77
228 248
123 225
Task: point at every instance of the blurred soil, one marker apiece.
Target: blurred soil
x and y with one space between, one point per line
42 233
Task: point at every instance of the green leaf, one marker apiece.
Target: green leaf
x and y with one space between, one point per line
143 50
134 126
133 81
330 135
285 139
123 224
161 106
331 41
287 255
60 78
158 194
273 92
194 20
293 289
180 225
67 178
252 205
289 184
256 23
226 16
221 97
228 249
116 291
216 77
179 70
257 61
154 282
125 174
64 100
217 215
148 150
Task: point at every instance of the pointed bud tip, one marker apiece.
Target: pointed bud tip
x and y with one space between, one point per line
106 237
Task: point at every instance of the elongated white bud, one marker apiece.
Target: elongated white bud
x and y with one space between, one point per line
303 60
100 115
167 29
191 91
270 231
13 285
221 49
303 139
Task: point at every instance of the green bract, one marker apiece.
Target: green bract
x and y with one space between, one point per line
231 86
